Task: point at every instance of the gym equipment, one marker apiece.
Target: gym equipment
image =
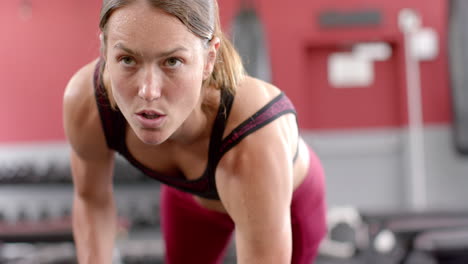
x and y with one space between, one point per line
437 237
249 39
458 57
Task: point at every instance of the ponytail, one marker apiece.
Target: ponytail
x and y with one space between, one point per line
228 70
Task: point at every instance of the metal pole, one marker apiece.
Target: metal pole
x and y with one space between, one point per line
409 24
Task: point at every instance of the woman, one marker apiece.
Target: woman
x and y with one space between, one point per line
169 94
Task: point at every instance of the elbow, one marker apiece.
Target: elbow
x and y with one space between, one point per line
93 196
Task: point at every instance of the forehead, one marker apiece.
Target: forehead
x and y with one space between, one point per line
142 25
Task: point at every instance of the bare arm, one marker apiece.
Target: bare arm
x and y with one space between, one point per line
94 212
256 190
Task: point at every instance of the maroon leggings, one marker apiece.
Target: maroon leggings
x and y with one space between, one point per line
193 234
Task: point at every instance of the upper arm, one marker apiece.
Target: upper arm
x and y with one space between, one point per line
255 185
91 159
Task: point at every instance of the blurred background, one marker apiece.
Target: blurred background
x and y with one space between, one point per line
381 91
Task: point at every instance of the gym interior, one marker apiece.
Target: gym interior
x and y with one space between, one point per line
381 92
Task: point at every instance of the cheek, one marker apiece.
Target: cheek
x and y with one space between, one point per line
120 92
119 83
116 87
190 82
188 94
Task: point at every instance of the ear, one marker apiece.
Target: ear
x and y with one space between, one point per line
212 52
103 46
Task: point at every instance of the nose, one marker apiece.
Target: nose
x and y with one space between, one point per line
150 88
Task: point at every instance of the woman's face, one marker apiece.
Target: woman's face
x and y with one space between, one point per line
156 67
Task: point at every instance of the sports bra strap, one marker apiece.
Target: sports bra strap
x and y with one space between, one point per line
113 122
219 126
280 105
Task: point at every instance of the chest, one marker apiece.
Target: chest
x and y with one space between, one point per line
188 161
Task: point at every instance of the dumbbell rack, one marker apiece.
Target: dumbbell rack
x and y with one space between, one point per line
35 206
36 193
437 235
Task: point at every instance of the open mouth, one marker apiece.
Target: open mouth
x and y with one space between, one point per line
150 116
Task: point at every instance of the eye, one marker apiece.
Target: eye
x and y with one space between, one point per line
173 62
127 61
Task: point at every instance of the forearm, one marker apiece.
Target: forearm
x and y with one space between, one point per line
269 256
266 250
94 230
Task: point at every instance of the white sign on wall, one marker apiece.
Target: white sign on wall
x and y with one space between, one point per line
356 68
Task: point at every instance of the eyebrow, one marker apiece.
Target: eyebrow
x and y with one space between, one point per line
162 54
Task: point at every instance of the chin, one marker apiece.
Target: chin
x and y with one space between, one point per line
151 137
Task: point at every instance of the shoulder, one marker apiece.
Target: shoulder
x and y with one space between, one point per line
278 136
274 142
261 163
81 82
251 96
81 118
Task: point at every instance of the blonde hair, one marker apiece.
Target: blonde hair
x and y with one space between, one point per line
202 18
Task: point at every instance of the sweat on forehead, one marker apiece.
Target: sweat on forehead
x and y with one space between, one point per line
199 16
143 18
150 32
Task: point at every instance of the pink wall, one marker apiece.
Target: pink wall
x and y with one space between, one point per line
298 48
39 56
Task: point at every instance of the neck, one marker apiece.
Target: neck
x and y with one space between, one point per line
198 125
